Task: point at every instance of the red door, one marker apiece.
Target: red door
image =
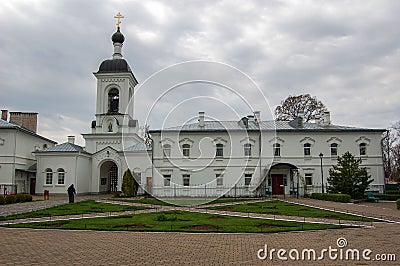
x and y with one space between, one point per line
277 184
32 186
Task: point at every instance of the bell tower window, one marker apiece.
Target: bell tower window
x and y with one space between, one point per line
113 101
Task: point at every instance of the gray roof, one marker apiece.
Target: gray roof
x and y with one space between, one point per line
5 124
263 125
140 147
64 147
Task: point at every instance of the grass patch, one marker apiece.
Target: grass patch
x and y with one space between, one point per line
181 202
83 207
184 222
276 207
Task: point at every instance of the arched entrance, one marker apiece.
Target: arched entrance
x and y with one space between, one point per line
281 179
108 177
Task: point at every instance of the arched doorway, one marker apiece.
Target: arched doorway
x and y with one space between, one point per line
108 177
281 178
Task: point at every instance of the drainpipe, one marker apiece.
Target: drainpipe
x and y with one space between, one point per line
14 158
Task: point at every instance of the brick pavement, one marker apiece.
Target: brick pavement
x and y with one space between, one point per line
56 247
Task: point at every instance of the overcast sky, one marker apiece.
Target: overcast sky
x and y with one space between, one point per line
346 53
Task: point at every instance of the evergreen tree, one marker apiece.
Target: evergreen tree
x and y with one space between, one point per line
128 184
347 177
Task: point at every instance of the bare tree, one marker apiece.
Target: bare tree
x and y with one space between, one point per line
293 105
391 152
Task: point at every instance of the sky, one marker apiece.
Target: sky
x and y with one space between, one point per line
345 53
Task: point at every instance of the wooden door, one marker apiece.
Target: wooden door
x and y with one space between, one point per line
277 184
32 186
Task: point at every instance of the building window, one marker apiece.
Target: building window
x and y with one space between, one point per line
138 177
334 149
113 101
61 176
44 146
308 178
167 180
277 149
186 150
220 179
219 152
307 149
247 149
247 179
166 150
49 176
363 148
186 180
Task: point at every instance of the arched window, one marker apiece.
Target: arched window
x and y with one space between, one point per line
334 149
277 149
113 101
219 152
247 149
307 149
186 150
49 177
60 176
363 148
166 150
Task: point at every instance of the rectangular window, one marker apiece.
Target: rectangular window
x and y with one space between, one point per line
334 149
167 180
167 150
186 150
277 149
308 178
219 150
363 149
247 179
61 178
247 149
220 179
307 149
186 180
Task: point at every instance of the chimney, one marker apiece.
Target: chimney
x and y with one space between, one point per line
26 120
71 139
327 118
201 119
300 119
250 118
257 117
4 115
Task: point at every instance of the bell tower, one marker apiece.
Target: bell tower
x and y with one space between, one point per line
114 102
115 90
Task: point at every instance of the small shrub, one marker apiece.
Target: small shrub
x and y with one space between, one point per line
392 197
164 218
19 198
28 198
2 200
398 204
117 194
331 197
392 192
10 199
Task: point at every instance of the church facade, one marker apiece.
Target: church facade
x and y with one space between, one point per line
249 157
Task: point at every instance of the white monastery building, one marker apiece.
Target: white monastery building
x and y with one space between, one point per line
249 157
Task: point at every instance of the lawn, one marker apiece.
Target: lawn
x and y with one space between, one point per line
83 207
276 207
180 221
182 202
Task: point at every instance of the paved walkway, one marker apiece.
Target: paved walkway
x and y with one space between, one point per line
55 247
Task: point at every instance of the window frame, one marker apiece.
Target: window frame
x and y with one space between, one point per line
276 148
186 177
48 177
60 173
307 149
166 150
247 177
219 150
363 148
334 149
186 150
308 177
167 180
247 149
220 179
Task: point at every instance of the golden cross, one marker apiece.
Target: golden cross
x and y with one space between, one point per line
118 16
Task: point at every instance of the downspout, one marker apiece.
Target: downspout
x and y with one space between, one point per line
76 167
14 158
260 156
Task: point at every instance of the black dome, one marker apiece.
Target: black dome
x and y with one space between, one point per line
114 66
118 37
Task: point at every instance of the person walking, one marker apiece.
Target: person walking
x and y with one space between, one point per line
71 193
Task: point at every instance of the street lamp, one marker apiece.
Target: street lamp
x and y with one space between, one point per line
321 155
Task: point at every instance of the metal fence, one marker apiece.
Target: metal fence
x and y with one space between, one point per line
6 189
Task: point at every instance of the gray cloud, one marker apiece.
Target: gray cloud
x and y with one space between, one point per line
346 53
